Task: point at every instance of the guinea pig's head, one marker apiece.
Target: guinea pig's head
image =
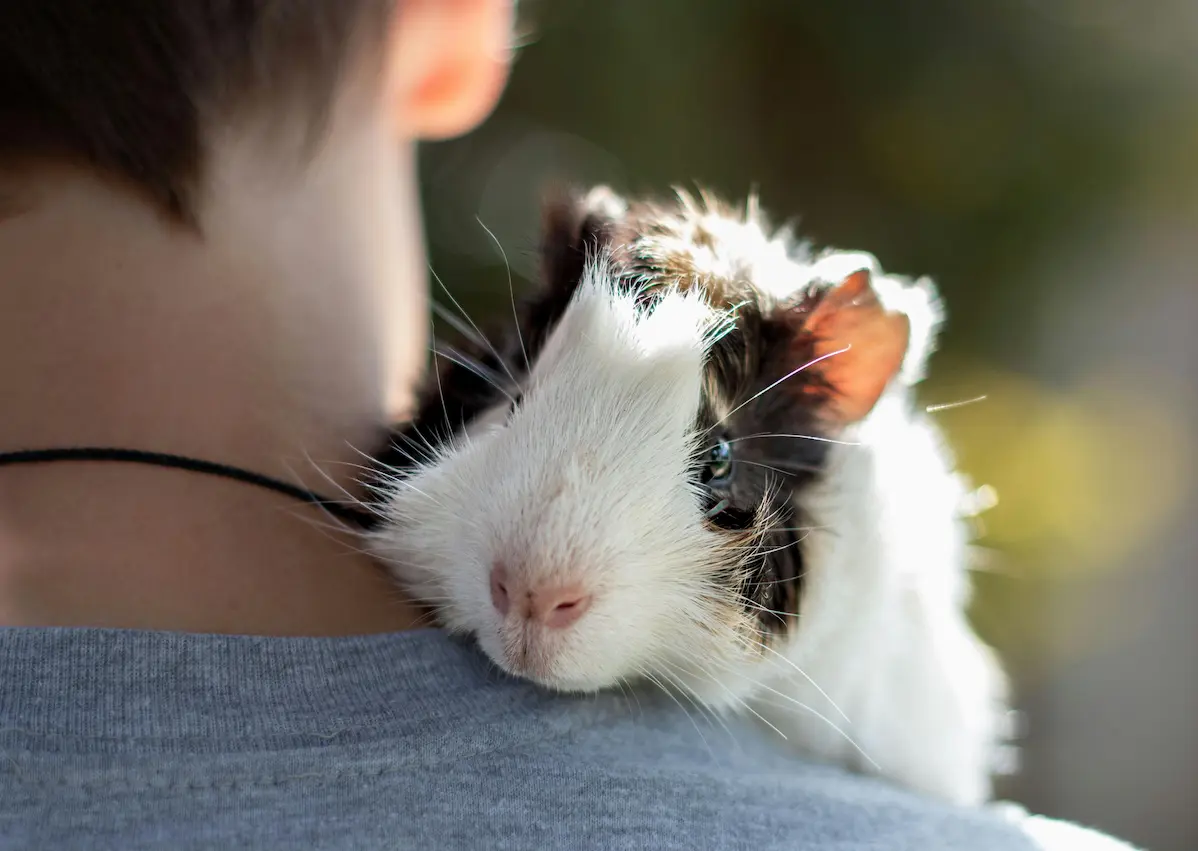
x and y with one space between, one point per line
610 494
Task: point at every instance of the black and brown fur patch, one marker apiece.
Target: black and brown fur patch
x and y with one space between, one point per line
757 397
459 391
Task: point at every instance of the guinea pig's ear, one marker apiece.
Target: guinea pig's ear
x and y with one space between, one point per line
865 332
859 344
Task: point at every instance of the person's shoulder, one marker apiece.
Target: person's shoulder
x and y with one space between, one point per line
144 740
699 784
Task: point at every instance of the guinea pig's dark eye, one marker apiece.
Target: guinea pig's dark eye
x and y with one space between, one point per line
717 464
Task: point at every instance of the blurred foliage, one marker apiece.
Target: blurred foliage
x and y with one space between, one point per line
987 144
956 140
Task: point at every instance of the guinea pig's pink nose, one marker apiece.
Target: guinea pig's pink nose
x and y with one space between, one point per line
557 608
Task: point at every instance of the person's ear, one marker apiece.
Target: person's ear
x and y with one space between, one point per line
447 63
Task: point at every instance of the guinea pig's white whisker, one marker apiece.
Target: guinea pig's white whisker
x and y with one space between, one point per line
786 377
806 676
695 664
766 434
365 468
440 389
424 620
746 705
782 547
814 437
378 482
716 681
383 483
671 673
473 325
948 406
365 456
476 366
417 440
754 549
757 607
452 352
757 547
413 488
422 445
458 325
430 599
478 370
351 498
633 692
382 486
629 694
380 472
397 473
740 673
335 530
757 684
649 677
771 583
511 292
799 704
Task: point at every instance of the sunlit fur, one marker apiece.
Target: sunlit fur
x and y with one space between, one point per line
882 627
590 479
593 478
882 671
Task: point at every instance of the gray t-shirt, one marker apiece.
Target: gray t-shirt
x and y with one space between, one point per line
114 739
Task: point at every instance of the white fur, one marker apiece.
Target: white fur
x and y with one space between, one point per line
1054 835
744 247
882 627
884 672
590 481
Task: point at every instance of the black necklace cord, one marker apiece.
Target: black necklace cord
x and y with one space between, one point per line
358 517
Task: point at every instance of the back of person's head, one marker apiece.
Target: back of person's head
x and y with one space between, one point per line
136 89
210 245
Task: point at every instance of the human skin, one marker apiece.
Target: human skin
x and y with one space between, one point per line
281 340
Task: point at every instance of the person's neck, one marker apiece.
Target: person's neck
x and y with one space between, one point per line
247 346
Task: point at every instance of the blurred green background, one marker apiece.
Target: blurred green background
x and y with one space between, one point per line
1039 159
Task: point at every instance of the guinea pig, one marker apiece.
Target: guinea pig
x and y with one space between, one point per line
697 462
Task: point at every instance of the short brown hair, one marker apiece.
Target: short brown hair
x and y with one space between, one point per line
125 86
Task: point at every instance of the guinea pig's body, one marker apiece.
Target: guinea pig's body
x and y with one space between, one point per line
699 464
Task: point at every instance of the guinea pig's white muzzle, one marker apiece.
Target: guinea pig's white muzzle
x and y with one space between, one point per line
582 514
536 622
